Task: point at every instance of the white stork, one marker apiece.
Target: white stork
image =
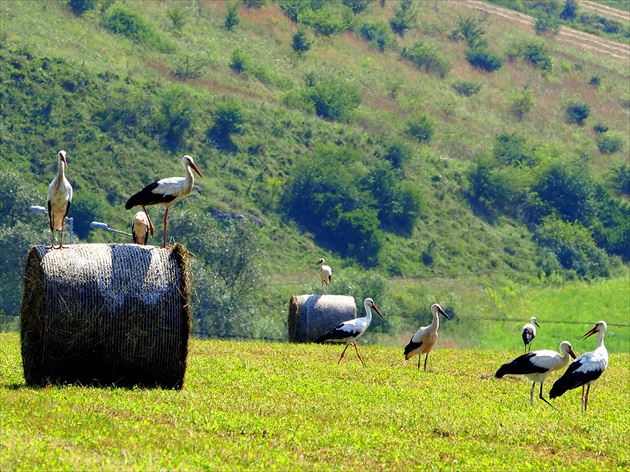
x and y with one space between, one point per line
325 272
529 332
165 192
349 331
140 228
423 341
59 199
535 366
586 369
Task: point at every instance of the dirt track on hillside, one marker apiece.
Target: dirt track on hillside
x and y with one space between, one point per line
576 38
606 11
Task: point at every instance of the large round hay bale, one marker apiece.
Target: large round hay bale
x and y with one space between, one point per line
310 316
103 314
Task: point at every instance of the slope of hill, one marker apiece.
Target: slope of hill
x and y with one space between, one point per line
127 105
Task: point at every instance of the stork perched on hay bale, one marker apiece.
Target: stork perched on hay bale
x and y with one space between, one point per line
59 199
140 228
535 366
165 192
529 332
586 369
349 331
425 338
325 272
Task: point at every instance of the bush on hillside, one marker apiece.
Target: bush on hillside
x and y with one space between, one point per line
333 99
79 7
512 149
378 34
574 248
420 127
397 152
133 26
621 178
302 42
469 29
522 104
331 19
546 23
484 59
466 88
357 6
328 197
578 112
427 57
401 21
229 117
535 53
609 142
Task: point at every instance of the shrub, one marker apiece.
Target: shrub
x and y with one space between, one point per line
609 142
547 23
232 19
469 30
229 118
578 112
178 118
482 58
331 19
378 34
357 6
398 152
600 128
570 11
595 80
79 7
573 246
333 99
523 104
302 42
401 21
420 127
177 16
241 63
428 58
512 149
131 25
621 178
537 54
466 87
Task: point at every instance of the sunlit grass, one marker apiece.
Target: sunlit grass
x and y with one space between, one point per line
256 405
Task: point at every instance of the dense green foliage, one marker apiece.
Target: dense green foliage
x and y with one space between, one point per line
435 168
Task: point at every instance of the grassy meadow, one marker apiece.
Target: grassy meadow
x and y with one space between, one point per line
279 406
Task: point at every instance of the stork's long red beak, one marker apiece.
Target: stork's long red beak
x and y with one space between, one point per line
377 311
572 354
195 169
63 159
590 333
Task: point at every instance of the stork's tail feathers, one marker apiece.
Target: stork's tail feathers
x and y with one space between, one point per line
560 386
410 349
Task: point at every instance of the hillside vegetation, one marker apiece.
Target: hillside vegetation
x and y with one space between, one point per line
422 142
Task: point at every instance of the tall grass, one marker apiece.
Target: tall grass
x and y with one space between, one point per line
272 406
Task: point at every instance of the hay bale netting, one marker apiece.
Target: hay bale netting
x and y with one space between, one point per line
310 316
102 314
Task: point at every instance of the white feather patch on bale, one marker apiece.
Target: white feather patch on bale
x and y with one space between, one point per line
310 316
102 314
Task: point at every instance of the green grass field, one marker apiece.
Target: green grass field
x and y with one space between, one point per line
278 406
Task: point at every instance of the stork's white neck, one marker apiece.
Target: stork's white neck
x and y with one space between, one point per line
60 168
600 339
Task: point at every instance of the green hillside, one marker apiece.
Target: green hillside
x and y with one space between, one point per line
409 168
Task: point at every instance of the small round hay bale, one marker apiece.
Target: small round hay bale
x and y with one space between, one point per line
310 316
102 314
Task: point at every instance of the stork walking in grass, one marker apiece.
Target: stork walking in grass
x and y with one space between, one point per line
59 199
140 228
165 192
325 272
529 333
586 369
349 331
423 341
536 366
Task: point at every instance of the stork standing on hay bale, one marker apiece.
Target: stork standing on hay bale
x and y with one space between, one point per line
59 199
165 192
425 338
325 272
535 366
140 228
349 331
529 332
